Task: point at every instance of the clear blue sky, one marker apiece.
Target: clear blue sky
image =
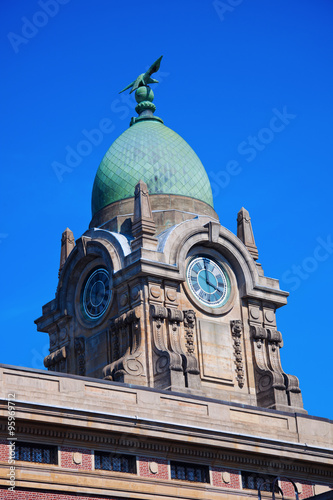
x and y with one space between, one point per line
230 70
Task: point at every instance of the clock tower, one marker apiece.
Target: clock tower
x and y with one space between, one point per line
157 292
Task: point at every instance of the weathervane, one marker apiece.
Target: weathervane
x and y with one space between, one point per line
145 78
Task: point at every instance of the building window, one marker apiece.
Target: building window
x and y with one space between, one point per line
189 472
115 462
37 453
252 481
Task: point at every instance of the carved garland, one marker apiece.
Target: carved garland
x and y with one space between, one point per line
189 323
236 331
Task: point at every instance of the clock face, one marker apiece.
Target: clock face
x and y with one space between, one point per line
96 294
208 281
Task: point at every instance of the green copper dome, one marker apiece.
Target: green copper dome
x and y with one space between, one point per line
151 152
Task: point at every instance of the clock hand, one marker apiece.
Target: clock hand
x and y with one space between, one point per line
210 283
205 266
207 279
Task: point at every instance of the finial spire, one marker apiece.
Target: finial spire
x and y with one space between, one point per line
143 228
67 245
245 232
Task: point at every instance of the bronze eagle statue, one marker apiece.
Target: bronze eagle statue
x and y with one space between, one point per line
145 78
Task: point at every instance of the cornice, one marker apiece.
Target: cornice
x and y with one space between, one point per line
156 447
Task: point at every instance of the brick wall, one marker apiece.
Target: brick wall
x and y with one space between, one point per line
70 458
4 450
226 478
147 467
289 491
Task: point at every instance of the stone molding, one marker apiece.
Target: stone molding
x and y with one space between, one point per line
227 459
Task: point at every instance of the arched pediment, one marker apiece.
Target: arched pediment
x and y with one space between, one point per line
95 244
177 242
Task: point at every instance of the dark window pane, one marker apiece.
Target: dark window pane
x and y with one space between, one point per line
115 462
253 481
37 453
189 472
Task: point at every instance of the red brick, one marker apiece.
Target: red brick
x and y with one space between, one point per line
143 467
235 481
66 458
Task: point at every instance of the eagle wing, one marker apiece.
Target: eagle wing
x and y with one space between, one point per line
154 67
128 87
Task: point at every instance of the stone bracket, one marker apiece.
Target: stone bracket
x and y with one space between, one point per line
56 360
126 346
275 389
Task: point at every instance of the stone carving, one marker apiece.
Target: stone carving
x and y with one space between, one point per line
276 389
270 385
258 334
135 292
77 458
155 292
269 316
189 322
171 364
254 312
171 294
80 348
126 344
162 358
178 360
236 331
159 314
189 325
192 369
291 383
153 467
56 361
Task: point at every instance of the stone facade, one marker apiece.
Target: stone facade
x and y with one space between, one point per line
86 416
155 332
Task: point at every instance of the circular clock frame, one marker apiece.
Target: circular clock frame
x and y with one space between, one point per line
219 271
94 294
